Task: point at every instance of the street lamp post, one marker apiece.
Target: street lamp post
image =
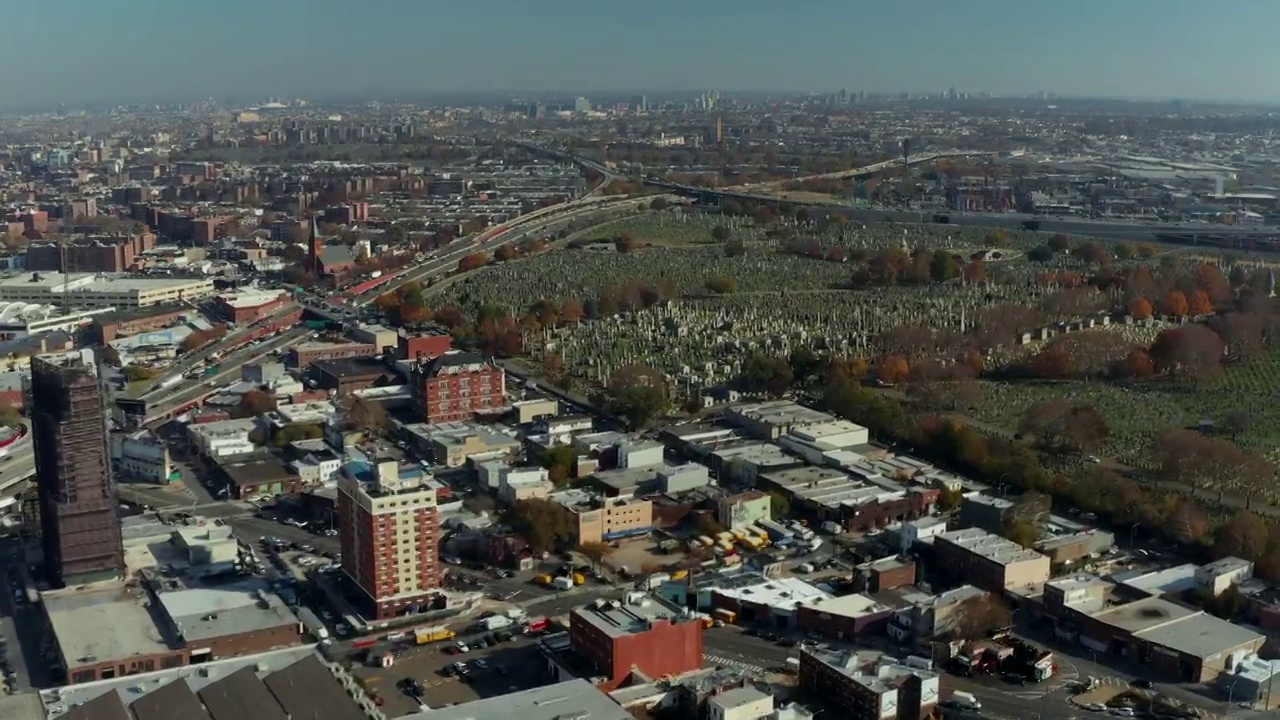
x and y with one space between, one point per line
1132 532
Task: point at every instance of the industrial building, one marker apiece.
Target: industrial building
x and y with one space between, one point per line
390 530
79 513
638 632
570 699
277 685
112 630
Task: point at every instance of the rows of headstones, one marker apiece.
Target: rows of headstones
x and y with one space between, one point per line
701 343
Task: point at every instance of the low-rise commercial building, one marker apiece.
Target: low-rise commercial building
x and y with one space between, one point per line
453 444
1218 576
570 699
639 632
988 561
599 519
304 354
869 686
742 510
1075 547
343 377
246 307
266 477
114 630
1172 641
222 438
144 456
91 290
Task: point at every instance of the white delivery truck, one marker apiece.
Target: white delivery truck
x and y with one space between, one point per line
965 700
563 582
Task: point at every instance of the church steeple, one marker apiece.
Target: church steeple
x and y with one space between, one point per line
315 246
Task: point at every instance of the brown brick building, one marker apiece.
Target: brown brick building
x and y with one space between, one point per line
313 352
642 633
457 386
109 254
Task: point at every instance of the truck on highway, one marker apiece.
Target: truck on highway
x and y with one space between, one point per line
210 371
313 624
168 382
422 636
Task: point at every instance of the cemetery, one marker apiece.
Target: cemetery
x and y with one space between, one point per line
695 294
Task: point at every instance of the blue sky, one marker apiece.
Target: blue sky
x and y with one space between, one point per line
96 50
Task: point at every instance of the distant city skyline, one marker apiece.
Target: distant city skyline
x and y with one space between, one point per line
109 52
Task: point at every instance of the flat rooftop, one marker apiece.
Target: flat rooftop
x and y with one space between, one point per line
205 613
787 593
573 699
101 623
1201 635
992 547
619 618
1144 614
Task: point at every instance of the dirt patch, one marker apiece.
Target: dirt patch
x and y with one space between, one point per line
639 555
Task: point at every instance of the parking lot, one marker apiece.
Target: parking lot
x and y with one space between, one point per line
507 667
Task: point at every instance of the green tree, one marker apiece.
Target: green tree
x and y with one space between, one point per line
942 266
545 524
950 499
779 505
560 459
299 431
638 394
765 374
720 233
804 363
1023 532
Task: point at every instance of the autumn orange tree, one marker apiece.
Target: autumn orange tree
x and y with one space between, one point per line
1200 304
1140 308
893 369
1175 303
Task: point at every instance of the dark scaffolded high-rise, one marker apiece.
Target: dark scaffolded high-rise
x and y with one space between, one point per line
79 513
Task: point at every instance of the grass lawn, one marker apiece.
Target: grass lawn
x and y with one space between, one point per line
1138 412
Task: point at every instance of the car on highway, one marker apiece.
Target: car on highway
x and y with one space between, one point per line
1094 707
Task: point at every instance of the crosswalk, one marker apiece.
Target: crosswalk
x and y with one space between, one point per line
728 662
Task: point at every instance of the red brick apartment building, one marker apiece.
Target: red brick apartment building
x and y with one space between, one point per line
100 254
642 633
457 386
390 531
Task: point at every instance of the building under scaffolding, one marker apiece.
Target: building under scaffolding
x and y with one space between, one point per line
79 513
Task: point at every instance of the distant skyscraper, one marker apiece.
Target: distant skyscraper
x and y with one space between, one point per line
639 103
79 513
582 105
535 111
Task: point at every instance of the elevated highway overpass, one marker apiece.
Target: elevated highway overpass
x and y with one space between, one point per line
872 169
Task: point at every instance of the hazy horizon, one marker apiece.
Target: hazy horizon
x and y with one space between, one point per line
112 52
